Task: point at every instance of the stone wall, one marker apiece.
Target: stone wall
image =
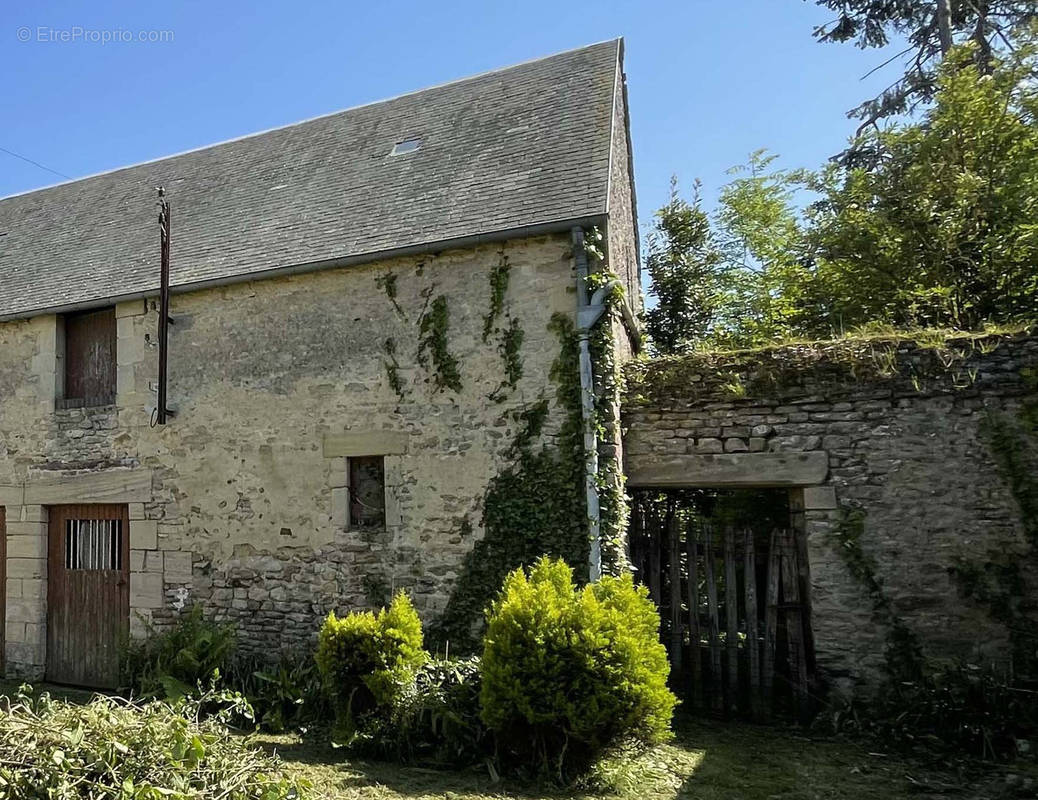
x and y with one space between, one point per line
622 235
240 501
896 429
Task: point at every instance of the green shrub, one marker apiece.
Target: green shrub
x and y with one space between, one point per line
176 661
957 710
367 660
438 721
568 673
284 695
114 749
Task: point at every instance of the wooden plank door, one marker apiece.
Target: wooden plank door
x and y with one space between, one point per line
90 358
88 594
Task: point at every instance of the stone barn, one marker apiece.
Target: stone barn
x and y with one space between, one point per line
375 330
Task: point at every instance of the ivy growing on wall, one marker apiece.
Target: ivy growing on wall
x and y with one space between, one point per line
499 279
511 345
537 505
904 657
996 581
510 348
511 334
387 283
433 329
393 368
609 387
533 507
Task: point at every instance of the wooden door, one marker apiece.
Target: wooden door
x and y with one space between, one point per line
88 594
90 360
734 606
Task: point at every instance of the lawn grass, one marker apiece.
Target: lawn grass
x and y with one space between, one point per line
706 761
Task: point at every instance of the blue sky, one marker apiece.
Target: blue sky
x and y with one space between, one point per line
710 80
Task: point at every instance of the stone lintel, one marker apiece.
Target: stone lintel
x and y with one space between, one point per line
131 308
726 470
110 486
11 495
366 443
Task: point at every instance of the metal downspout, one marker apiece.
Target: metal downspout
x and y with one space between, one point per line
588 314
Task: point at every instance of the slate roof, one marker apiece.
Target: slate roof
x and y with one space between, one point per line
505 151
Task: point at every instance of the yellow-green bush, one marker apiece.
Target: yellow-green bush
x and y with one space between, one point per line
367 659
568 672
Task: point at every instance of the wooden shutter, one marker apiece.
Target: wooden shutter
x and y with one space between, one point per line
90 359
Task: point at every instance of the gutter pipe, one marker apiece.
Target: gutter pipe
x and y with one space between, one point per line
589 312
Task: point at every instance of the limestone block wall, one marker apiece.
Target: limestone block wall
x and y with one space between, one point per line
894 429
622 236
240 501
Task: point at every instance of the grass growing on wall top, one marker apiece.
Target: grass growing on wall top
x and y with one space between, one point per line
871 354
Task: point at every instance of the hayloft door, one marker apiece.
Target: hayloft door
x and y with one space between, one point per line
88 594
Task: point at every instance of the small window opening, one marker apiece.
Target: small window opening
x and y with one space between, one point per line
367 492
88 350
92 544
406 146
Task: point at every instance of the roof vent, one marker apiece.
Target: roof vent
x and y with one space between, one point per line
406 146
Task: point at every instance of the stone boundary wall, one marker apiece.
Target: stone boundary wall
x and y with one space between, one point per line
893 429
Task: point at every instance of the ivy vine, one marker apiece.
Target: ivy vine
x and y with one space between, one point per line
511 344
433 342
392 366
510 349
387 283
614 509
537 506
903 654
996 582
500 276
533 507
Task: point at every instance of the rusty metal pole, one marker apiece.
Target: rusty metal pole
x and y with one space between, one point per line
164 226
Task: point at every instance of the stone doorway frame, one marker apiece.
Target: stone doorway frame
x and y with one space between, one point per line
27 507
805 475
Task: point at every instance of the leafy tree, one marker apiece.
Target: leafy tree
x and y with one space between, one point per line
683 265
930 27
943 230
730 280
940 229
759 239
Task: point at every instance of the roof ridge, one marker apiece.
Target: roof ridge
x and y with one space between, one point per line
315 118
